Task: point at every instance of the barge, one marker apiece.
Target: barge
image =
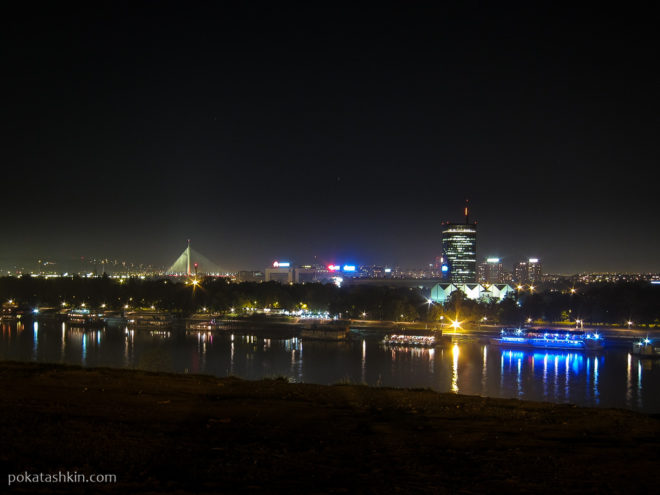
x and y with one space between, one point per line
549 339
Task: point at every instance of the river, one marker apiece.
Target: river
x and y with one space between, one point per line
610 378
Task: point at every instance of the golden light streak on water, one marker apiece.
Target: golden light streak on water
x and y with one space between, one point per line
454 371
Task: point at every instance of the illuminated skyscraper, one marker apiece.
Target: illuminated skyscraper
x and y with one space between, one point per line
490 272
459 250
527 272
534 270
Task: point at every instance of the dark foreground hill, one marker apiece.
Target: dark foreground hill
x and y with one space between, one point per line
199 434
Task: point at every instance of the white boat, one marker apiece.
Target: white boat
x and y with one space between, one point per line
205 322
149 319
84 318
411 340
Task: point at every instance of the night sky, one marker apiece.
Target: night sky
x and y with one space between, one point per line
267 133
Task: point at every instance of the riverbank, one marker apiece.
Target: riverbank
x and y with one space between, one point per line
190 433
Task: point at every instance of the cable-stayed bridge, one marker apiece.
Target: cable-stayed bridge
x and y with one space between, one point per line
192 262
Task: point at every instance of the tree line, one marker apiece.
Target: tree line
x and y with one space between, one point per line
604 303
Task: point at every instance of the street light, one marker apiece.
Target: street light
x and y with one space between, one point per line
629 323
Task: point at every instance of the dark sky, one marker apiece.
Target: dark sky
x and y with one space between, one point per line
347 134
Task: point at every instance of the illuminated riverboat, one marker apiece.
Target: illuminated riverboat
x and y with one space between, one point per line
549 339
9 310
84 318
205 322
149 319
646 348
411 340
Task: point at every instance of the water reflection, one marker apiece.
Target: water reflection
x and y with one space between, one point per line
484 370
84 348
364 361
613 378
454 368
595 381
35 347
63 343
128 347
558 376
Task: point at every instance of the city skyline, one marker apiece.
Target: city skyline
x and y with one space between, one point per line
292 133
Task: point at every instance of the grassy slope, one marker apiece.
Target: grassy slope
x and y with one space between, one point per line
186 433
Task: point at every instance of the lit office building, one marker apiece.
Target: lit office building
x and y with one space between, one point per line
281 271
490 272
527 272
250 276
459 250
534 271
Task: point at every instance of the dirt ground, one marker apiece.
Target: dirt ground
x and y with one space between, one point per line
199 434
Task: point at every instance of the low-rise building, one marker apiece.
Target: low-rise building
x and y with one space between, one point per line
440 293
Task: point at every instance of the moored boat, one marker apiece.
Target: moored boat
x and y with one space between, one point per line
9 310
549 339
83 317
411 340
149 319
204 322
646 348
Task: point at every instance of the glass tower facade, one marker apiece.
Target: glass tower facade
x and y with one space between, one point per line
459 247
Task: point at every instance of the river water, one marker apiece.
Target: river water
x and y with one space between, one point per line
610 378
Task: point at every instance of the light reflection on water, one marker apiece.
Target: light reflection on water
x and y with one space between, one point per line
612 378
455 351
